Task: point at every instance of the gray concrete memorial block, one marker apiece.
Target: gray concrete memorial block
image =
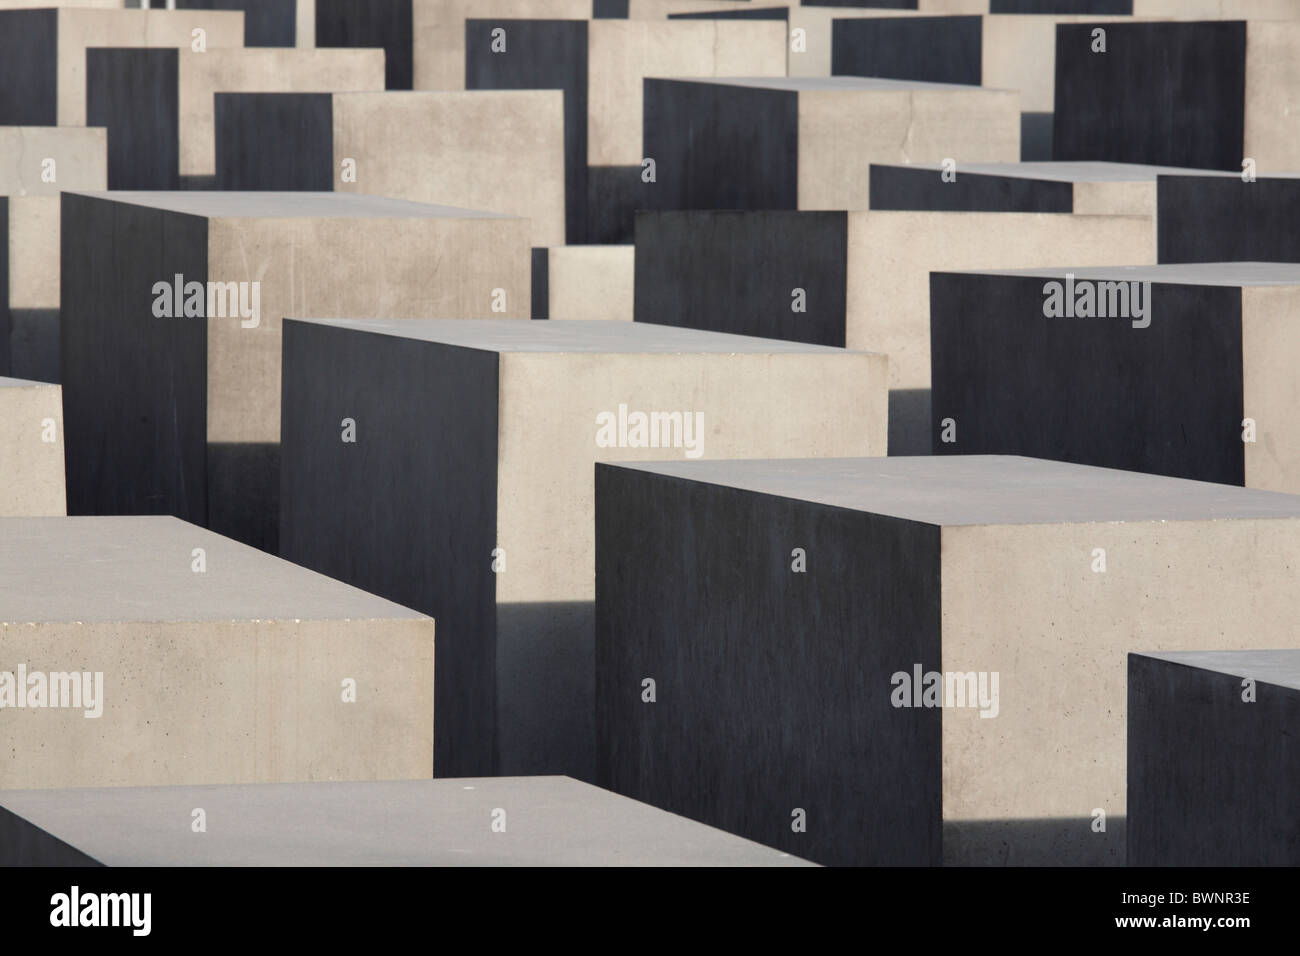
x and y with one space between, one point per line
1213 768
762 628
467 490
43 80
856 279
1201 384
142 651
785 143
173 395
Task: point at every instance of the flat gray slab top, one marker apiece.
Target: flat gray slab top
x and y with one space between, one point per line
141 569
1189 273
830 84
573 335
1280 668
288 205
23 383
1075 172
549 821
955 490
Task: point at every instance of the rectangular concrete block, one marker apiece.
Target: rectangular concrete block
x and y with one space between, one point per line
266 22
784 143
1167 391
36 162
173 395
800 621
1212 763
1225 219
469 486
452 147
856 279
591 282
43 80
601 66
144 651
158 104
31 449
1200 94
1118 189
550 821
1013 52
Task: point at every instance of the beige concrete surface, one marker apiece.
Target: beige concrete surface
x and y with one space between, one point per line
70 157
622 53
499 150
233 674
891 256
259 70
1023 601
31 449
82 28
591 282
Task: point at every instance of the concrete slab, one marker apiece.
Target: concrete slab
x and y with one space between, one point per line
36 162
783 143
591 282
210 662
43 53
158 104
601 66
1135 103
422 146
864 276
1166 392
539 821
819 740
183 417
498 539
1212 765
1119 189
31 449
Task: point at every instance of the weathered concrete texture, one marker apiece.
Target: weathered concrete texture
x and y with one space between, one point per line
549 54
1091 188
31 449
756 717
43 79
1212 762
1140 102
219 664
158 104
515 649
161 408
1224 219
1169 398
36 162
539 821
422 146
601 66
754 13
742 272
385 24
783 143
591 282
440 33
